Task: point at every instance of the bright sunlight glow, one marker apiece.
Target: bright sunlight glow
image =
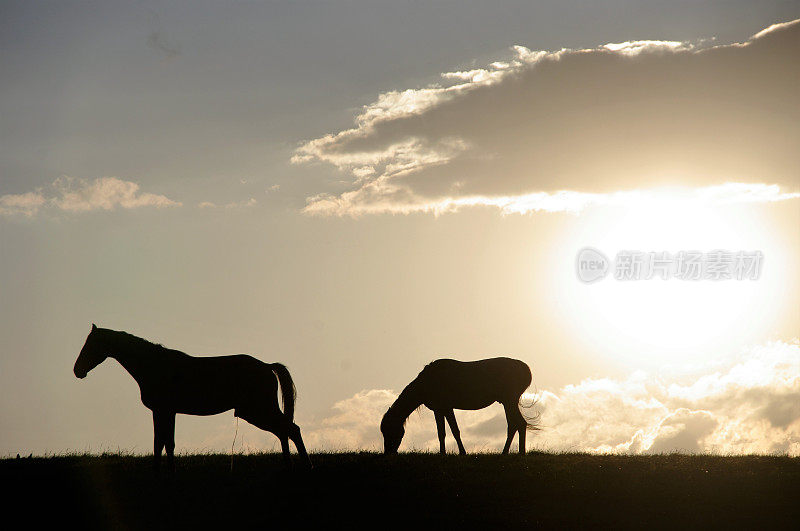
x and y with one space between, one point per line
651 323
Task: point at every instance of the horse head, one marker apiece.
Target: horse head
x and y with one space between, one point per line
92 354
393 431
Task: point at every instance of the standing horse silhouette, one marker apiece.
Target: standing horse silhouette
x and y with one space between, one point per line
173 382
445 385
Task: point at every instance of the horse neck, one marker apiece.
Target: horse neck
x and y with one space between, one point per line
409 400
136 359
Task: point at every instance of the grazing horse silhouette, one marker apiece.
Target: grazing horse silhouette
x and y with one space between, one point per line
173 382
444 385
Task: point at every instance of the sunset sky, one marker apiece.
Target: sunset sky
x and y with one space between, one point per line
356 188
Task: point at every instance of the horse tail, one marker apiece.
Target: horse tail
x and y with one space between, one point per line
532 421
288 390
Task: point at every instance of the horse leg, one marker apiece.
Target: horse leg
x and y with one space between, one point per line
169 440
451 419
294 435
274 422
440 429
512 430
158 439
291 431
287 455
516 423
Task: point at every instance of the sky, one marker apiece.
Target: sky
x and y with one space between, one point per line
358 188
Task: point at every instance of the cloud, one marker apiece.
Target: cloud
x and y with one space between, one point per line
775 27
747 406
562 201
353 423
27 204
750 404
633 48
556 131
70 194
104 193
684 430
233 204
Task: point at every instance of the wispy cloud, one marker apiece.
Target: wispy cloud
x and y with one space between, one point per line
105 193
27 204
633 48
70 194
563 201
555 131
231 205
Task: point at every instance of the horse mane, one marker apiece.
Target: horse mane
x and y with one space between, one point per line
405 396
138 342
418 410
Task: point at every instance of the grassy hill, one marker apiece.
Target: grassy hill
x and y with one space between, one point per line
409 490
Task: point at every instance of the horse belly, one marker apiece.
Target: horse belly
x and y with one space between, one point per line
204 394
460 400
203 409
473 403
202 404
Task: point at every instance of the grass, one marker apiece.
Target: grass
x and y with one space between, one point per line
414 490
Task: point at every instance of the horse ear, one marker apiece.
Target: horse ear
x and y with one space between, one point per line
93 327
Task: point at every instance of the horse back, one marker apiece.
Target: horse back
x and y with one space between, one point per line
474 384
209 384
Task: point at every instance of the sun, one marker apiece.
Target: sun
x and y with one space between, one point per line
650 323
